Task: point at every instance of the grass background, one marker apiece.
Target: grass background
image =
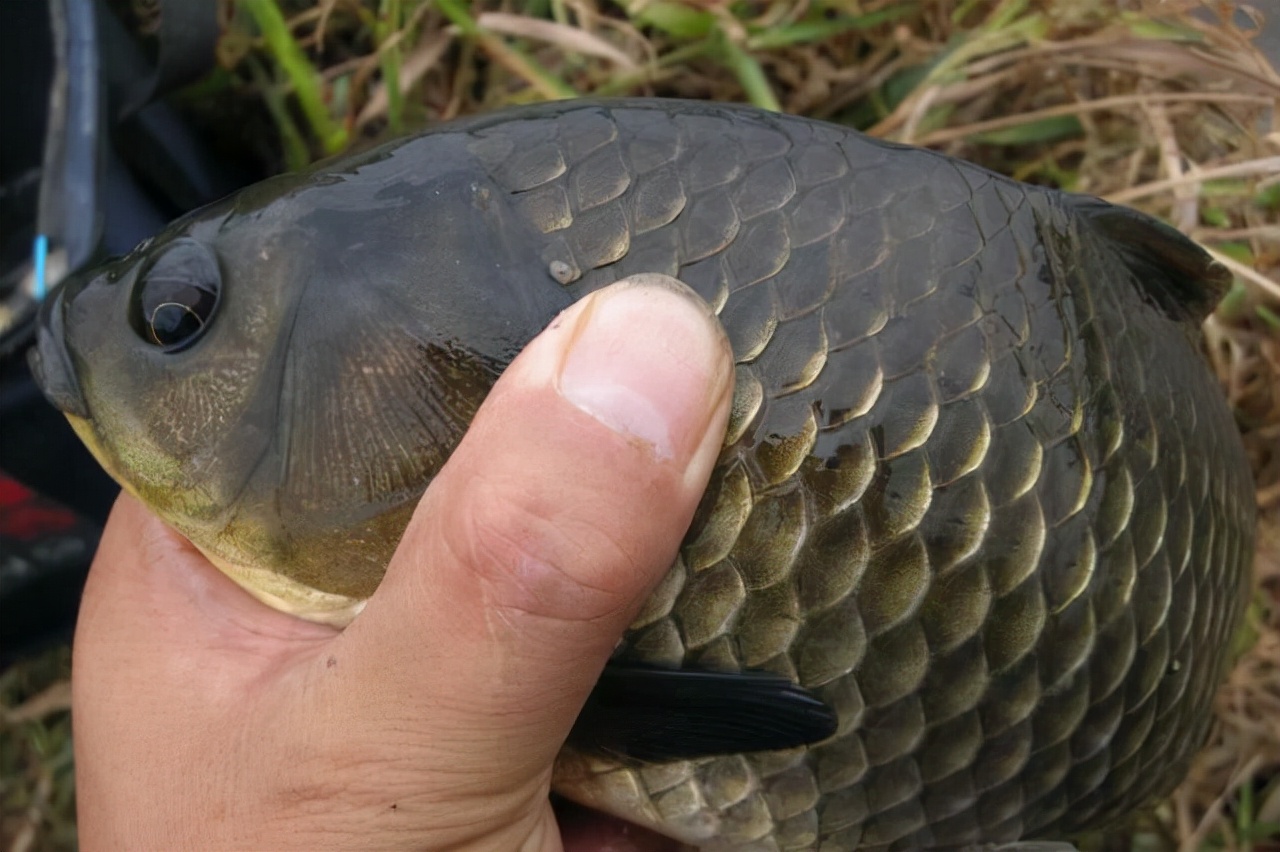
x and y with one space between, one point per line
1166 106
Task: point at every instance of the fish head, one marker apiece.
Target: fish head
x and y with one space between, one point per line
149 356
280 376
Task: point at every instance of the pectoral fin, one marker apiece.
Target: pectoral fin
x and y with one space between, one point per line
652 714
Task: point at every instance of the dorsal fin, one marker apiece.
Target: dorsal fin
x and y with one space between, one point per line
1175 273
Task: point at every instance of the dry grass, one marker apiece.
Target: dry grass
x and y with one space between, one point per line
37 787
1164 106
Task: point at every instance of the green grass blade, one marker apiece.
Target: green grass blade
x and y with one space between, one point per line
1238 251
390 20
1269 198
624 83
1268 316
676 19
809 32
1050 129
458 15
302 75
1144 26
1215 217
548 84
296 154
750 75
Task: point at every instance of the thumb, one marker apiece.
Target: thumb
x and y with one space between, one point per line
555 517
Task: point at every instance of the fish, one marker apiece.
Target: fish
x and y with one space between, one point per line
972 555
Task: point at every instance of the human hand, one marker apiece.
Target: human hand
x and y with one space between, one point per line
204 719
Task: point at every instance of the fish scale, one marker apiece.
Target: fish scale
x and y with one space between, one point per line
979 493
866 627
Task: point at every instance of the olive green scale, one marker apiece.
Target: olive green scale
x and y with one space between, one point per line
979 493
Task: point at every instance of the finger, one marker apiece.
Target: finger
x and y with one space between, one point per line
561 509
166 651
148 581
152 599
159 626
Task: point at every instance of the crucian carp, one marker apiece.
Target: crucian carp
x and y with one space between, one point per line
978 538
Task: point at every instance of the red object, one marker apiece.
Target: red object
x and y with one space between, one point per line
25 515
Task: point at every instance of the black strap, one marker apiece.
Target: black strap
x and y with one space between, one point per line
188 37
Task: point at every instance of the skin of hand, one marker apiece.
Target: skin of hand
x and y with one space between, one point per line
204 719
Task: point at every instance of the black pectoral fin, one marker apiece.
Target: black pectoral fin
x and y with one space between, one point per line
1173 271
652 714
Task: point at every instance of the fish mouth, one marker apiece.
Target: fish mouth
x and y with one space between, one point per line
50 361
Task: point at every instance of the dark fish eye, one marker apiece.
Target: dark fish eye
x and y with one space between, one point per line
175 296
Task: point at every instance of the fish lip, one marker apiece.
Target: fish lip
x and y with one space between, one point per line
50 361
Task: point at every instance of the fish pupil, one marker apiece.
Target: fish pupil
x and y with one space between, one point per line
173 322
177 311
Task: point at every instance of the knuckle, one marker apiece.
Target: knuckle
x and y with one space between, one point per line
533 555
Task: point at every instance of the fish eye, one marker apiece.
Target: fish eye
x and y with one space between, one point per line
175 296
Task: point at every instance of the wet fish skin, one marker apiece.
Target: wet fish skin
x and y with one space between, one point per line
980 493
